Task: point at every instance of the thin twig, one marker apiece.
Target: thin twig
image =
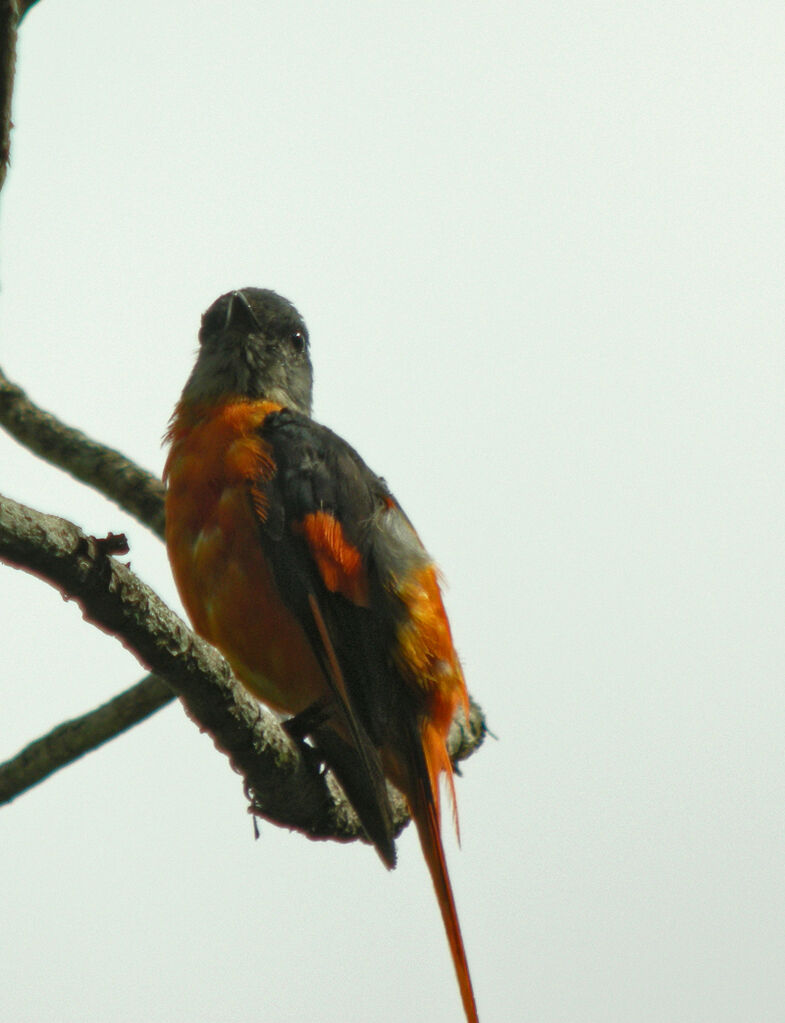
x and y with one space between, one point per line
134 489
73 739
24 7
9 19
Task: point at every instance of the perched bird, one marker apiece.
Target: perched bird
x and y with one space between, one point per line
296 561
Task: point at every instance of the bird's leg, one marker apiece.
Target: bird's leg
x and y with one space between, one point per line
307 720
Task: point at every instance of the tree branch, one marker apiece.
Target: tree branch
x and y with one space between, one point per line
285 787
73 739
135 490
24 7
9 19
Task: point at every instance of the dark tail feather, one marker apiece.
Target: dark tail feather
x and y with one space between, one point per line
426 817
365 790
357 765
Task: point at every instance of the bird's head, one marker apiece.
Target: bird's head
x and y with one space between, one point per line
252 344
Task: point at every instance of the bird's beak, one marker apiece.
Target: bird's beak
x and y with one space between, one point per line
239 302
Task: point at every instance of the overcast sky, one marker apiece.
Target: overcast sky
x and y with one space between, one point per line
539 248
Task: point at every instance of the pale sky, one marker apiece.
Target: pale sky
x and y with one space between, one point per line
539 248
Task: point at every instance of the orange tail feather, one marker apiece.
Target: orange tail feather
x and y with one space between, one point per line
425 813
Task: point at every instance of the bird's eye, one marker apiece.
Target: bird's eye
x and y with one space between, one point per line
298 342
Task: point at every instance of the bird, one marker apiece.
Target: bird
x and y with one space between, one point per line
296 561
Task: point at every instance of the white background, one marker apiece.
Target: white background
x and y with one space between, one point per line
540 251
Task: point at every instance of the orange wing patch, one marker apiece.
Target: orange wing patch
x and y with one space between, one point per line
429 663
340 564
424 637
425 651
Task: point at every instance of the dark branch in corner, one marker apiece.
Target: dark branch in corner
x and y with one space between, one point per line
133 489
285 787
24 7
9 19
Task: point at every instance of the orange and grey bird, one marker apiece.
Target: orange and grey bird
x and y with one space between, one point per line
295 560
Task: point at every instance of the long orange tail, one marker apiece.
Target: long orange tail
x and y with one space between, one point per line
425 812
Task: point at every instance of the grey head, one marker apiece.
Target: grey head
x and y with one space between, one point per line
252 344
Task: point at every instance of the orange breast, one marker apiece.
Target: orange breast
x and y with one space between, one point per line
223 578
